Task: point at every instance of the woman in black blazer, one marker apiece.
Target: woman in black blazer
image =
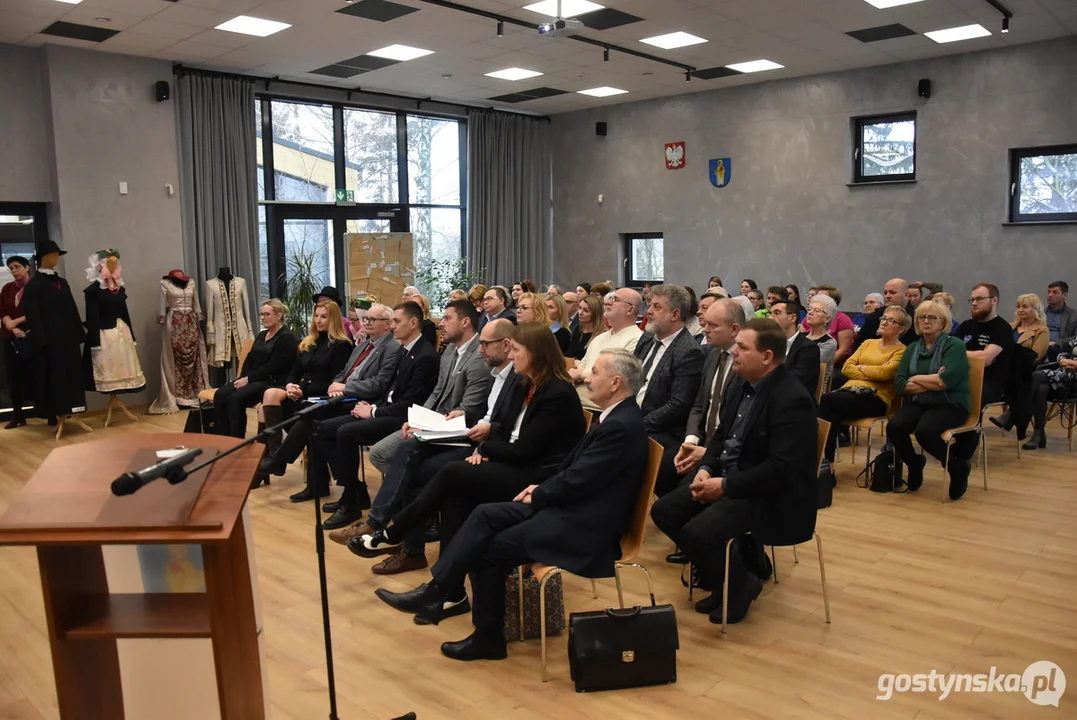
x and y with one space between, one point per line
266 366
541 424
557 312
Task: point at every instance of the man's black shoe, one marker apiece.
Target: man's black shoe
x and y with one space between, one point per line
343 517
474 647
677 558
738 605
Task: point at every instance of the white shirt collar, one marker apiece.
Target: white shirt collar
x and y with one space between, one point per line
461 349
410 345
607 411
503 372
789 342
671 337
47 271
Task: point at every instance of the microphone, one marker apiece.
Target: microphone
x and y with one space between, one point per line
131 482
318 403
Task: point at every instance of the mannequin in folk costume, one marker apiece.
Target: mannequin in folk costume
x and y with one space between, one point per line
54 332
110 356
183 351
228 320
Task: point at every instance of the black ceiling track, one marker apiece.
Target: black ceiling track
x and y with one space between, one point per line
449 5
1006 13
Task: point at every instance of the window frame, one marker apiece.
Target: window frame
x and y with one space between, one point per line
859 123
1016 156
277 211
630 280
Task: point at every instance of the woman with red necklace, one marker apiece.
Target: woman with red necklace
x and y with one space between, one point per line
110 356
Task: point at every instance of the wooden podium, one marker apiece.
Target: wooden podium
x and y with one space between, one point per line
68 512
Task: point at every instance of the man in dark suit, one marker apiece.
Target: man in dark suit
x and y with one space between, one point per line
672 365
574 519
802 357
758 473
367 375
495 305
893 294
722 321
338 440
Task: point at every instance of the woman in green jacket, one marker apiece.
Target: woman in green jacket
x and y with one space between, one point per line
934 380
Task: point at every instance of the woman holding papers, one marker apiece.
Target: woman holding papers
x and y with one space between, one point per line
547 422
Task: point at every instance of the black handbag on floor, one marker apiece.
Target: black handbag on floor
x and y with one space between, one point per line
612 649
201 420
883 474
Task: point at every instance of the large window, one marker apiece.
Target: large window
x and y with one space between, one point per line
885 148
326 170
644 259
1043 184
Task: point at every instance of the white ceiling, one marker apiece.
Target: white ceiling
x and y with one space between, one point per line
807 36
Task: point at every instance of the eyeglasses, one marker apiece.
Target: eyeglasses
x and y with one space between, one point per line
974 300
617 299
892 321
521 306
371 321
817 311
488 343
929 318
266 314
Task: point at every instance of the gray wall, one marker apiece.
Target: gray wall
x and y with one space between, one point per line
25 171
101 125
787 214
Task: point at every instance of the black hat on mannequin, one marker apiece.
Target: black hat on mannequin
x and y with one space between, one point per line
329 293
48 247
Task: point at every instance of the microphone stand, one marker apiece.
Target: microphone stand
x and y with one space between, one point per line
178 475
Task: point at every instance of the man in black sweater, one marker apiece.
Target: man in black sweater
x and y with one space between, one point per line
893 294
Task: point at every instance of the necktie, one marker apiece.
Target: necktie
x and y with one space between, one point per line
716 396
359 361
650 360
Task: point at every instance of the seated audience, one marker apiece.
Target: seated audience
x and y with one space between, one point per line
747 285
415 462
544 421
705 302
913 295
457 294
556 310
933 379
589 324
776 293
793 293
495 304
602 289
870 370
672 364
948 300
872 302
572 302
722 321
759 309
574 519
691 323
801 354
714 282
1061 318
583 289
476 295
1032 337
989 337
1053 382
893 294
268 362
429 330
840 327
553 290
758 472
619 312
1030 326
821 313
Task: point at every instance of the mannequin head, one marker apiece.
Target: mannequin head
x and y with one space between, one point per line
112 263
105 268
49 261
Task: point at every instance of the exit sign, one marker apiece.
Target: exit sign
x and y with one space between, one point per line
345 195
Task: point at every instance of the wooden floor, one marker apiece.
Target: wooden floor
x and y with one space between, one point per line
915 585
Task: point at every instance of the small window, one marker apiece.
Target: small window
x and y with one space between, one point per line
1043 184
644 259
885 148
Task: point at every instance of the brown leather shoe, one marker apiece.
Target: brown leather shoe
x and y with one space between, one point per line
343 535
399 562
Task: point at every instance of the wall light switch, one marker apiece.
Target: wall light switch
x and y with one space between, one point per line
601 199
123 188
170 190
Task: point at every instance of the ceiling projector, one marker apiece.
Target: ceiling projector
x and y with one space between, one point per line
561 27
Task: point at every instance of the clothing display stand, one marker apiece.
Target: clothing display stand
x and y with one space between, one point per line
114 402
64 419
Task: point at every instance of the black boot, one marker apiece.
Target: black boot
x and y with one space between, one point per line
916 473
1004 421
274 415
1037 441
260 477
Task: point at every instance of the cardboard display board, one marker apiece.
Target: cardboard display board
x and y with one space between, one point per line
379 264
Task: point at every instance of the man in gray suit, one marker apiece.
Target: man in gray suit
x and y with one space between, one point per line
366 376
463 380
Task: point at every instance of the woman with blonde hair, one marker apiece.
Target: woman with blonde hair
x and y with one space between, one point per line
457 294
475 294
947 299
429 330
556 309
529 309
1030 325
266 366
591 326
1033 338
322 355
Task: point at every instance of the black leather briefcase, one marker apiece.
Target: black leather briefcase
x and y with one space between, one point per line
612 649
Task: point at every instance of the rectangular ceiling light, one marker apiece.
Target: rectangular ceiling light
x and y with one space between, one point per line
71 2
883 4
513 73
604 91
569 8
755 66
400 53
248 25
965 32
673 40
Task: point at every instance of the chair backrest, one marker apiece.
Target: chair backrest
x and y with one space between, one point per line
570 363
243 350
824 430
822 380
588 416
632 540
976 388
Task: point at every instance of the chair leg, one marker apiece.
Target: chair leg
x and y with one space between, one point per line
362 466
620 593
725 585
822 575
520 600
946 474
983 440
690 588
867 451
594 590
650 588
774 564
795 558
542 616
1073 420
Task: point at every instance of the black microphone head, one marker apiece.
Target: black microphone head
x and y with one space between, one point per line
126 484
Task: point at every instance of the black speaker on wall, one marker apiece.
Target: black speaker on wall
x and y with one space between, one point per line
162 90
600 129
923 88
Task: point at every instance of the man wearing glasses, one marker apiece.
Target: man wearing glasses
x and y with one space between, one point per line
619 310
495 307
989 337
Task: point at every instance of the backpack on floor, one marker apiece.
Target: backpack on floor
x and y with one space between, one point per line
882 475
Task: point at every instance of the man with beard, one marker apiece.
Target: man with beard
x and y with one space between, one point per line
989 337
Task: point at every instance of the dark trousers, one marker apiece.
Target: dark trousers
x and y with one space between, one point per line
668 477
299 433
231 406
457 489
413 464
338 441
842 406
928 424
701 531
488 546
1032 405
18 378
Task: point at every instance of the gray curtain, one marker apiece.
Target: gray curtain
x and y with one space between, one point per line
218 181
510 183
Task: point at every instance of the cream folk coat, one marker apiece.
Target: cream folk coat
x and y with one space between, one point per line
227 318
